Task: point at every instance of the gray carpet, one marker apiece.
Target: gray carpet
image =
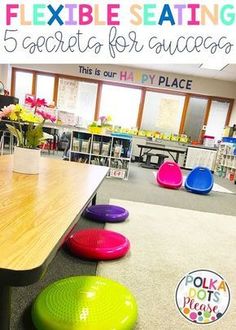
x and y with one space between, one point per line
172 242
140 188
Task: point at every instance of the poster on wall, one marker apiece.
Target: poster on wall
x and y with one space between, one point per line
168 116
67 93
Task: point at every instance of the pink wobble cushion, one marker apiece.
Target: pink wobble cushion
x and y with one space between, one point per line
98 244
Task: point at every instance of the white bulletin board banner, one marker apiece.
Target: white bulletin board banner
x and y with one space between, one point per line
117 31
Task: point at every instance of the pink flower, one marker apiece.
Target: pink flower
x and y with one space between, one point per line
46 115
6 111
35 102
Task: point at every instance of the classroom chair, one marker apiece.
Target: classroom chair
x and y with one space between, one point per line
169 175
200 180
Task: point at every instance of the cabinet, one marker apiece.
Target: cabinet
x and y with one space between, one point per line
113 151
226 161
197 156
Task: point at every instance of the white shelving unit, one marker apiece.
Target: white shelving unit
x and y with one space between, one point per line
113 151
197 156
226 161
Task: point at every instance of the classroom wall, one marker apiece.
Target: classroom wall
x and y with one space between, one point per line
233 114
5 75
199 85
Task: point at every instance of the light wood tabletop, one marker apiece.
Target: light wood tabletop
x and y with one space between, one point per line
37 210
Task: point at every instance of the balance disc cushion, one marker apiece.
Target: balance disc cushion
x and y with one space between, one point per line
85 303
106 213
98 244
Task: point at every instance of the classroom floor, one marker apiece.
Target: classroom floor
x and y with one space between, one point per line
140 187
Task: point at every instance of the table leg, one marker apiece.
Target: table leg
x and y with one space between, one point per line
5 307
177 157
94 199
140 154
2 143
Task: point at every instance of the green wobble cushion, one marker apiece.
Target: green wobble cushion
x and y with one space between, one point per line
85 303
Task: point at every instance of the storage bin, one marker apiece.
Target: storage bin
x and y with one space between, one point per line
85 146
229 139
96 148
209 141
117 151
105 149
76 144
97 129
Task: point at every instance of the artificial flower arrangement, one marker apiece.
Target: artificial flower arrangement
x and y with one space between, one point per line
33 136
105 120
100 126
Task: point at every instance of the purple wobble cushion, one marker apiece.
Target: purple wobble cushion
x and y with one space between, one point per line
106 213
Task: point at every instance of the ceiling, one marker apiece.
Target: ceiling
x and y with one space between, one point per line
227 74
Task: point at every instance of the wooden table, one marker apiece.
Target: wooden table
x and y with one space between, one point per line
37 212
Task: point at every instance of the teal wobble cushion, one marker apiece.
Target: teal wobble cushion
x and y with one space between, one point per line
85 303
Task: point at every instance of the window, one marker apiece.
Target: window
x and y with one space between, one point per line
23 85
121 103
162 112
76 102
45 87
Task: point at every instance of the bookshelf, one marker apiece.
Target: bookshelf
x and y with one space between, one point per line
226 161
112 150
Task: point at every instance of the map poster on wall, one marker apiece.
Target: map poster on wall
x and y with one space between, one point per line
168 116
67 94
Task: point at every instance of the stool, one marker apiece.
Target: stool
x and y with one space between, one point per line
161 159
147 163
83 303
106 213
98 244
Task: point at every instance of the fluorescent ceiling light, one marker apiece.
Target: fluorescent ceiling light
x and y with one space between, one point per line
213 66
